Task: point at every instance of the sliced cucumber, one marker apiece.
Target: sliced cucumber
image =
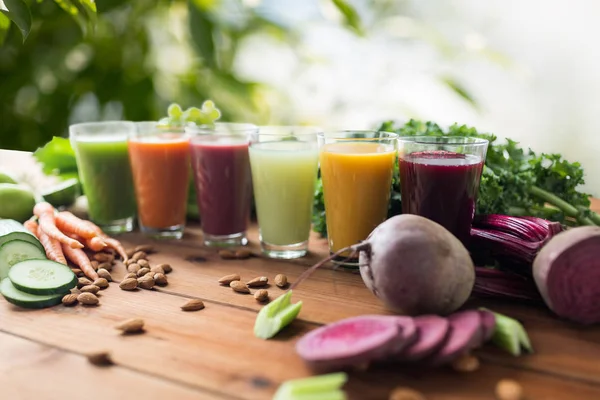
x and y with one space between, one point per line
63 194
42 277
12 230
15 251
22 299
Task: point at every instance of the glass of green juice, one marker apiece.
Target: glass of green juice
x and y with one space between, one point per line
284 164
101 150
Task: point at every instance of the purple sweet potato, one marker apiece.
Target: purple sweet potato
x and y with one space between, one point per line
350 342
466 334
432 333
488 324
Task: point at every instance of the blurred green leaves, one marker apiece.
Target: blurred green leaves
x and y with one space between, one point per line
351 17
201 30
18 12
57 157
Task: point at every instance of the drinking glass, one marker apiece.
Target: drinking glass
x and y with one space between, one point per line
439 179
160 157
221 168
284 162
101 151
356 169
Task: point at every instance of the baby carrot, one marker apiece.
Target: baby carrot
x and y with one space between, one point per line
67 222
96 243
45 213
52 246
112 243
31 226
79 258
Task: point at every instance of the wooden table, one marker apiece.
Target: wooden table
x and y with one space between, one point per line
212 353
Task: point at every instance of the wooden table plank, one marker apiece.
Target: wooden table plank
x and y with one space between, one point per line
32 371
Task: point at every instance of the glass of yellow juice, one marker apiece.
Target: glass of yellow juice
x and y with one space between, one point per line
356 169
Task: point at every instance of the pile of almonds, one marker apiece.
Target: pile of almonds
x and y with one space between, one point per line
141 274
234 281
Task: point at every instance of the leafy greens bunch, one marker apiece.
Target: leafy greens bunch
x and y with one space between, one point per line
514 181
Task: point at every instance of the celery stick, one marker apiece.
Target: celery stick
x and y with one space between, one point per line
324 387
510 335
276 316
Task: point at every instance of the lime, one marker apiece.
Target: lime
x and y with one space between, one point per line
7 177
16 202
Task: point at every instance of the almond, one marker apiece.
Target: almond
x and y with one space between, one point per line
70 299
106 265
143 263
406 394
90 289
83 281
166 267
508 389
129 284
243 254
89 299
94 263
138 255
160 279
146 248
102 283
133 267
281 280
133 325
142 271
157 269
227 279
261 295
103 257
129 261
78 273
100 358
146 282
103 273
193 305
130 275
258 282
466 363
227 254
239 287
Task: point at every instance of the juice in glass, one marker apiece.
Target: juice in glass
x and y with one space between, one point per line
160 158
356 168
284 173
221 168
439 179
101 150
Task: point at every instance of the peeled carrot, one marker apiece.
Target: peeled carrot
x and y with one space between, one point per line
31 226
96 243
115 244
52 246
67 222
79 258
45 213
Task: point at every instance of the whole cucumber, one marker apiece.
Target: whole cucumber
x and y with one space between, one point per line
16 202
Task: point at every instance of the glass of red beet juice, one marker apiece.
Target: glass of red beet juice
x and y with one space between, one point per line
439 179
221 168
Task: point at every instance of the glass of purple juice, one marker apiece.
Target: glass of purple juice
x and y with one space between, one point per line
439 179
221 170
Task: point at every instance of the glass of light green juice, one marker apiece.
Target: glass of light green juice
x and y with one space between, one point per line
284 164
101 150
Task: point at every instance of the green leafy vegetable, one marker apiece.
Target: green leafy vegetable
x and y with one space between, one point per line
19 13
57 157
277 315
323 387
510 335
514 181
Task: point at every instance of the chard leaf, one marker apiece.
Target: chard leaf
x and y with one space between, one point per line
57 156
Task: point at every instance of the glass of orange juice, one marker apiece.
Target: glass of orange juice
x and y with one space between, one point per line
160 165
356 169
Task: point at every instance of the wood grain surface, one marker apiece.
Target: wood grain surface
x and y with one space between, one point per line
212 353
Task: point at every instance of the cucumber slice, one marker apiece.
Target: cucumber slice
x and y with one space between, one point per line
42 277
22 299
63 194
13 230
15 251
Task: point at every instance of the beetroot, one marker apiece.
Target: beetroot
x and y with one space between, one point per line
408 331
416 266
432 332
567 274
465 335
350 342
488 324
